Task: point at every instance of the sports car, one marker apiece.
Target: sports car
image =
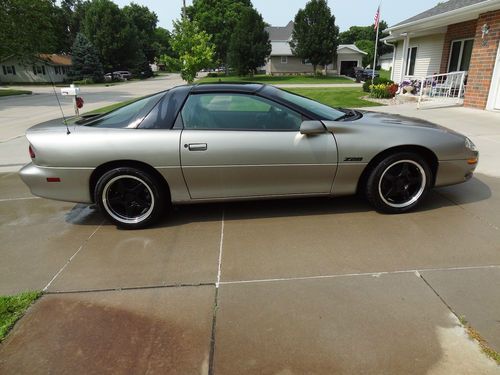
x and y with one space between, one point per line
228 142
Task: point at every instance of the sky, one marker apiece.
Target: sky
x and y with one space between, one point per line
280 12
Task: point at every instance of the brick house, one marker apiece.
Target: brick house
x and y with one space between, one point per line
282 60
457 35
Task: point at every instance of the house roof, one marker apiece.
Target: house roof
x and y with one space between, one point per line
440 8
351 47
55 59
280 32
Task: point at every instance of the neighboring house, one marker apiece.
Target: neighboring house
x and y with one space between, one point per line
457 35
385 61
44 68
282 60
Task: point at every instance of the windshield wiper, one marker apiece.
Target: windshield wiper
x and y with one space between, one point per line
348 114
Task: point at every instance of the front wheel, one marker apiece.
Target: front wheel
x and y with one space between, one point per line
398 183
130 198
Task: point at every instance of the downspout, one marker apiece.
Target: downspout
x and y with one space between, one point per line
393 57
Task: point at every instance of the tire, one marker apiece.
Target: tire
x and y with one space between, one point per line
398 183
130 198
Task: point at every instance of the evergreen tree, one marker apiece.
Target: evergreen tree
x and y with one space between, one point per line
86 64
315 34
250 46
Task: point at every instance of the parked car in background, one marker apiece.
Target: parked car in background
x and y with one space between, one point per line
125 74
221 142
108 77
368 74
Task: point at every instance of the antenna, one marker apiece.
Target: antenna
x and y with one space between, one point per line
59 102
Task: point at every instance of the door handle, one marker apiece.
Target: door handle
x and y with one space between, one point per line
196 146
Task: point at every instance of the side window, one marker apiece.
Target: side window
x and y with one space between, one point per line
237 112
163 115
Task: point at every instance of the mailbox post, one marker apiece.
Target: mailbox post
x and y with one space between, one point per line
73 91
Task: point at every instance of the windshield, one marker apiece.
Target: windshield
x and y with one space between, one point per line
125 116
324 112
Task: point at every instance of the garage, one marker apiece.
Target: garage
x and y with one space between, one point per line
347 67
348 57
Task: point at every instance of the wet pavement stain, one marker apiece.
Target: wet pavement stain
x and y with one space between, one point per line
131 333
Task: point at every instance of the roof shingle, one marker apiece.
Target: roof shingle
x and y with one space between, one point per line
443 7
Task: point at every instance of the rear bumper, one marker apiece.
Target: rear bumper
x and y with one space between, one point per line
73 184
453 172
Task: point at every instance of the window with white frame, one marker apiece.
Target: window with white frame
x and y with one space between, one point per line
411 59
284 59
460 55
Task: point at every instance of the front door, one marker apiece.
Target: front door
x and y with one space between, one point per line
242 145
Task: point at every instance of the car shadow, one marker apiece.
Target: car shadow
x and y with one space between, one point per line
293 207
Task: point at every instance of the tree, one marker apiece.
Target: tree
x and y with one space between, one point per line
193 48
86 64
250 45
114 37
367 46
27 28
367 33
218 18
162 42
314 36
145 24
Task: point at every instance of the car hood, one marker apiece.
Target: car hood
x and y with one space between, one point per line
395 120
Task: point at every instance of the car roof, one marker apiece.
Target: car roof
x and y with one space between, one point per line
227 87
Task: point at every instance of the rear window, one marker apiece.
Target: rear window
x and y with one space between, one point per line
127 116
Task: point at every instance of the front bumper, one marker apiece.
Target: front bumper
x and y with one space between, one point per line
73 184
451 172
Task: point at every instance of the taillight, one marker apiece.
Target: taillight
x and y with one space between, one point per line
32 153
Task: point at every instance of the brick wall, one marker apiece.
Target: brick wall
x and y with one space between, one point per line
462 30
482 61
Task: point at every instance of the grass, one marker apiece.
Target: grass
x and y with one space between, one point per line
494 355
273 80
384 74
344 97
110 107
10 92
12 308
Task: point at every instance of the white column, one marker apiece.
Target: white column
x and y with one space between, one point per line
406 43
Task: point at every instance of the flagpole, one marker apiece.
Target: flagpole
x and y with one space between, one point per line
376 45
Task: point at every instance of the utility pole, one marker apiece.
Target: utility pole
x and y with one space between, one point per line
184 9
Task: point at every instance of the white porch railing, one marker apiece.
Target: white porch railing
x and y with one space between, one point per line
445 88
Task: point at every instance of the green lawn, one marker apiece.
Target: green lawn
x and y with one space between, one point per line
384 74
12 308
344 97
9 92
110 107
273 80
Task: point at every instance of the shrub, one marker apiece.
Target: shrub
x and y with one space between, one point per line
382 91
366 85
212 75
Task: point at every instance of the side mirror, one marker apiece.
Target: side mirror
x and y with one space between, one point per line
312 127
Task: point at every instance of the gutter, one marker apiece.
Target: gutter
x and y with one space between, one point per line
493 4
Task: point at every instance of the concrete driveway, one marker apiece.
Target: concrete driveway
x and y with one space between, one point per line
317 286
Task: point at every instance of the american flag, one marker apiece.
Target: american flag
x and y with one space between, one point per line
377 18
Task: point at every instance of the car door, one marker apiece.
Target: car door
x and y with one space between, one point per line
242 145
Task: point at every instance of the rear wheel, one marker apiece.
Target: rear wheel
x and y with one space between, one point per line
130 198
398 183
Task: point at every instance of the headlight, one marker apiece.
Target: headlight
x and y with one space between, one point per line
470 145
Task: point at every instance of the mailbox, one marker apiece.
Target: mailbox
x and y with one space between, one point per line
71 91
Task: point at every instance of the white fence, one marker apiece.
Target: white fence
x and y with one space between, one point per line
443 89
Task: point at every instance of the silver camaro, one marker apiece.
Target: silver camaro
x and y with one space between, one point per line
222 142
